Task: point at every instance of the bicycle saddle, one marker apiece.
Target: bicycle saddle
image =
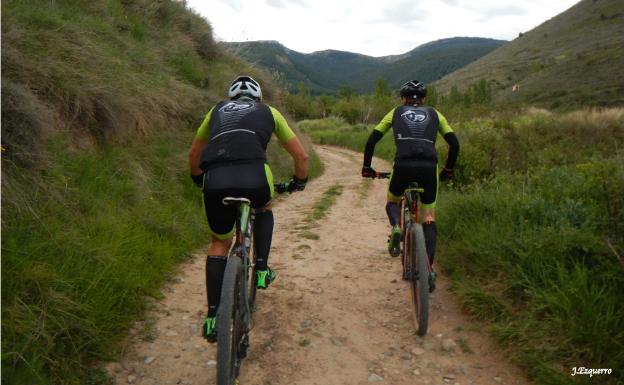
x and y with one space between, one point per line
233 201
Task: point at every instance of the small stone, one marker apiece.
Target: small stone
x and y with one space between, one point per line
149 360
449 376
498 379
406 356
131 379
448 345
211 363
418 351
177 355
416 372
374 378
439 335
171 333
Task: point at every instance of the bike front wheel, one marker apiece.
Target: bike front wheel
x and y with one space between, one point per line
230 325
420 280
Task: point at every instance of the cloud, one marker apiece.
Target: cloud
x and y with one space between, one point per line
401 14
281 4
236 5
372 27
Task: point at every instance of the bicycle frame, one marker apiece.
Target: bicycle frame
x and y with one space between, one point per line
410 196
242 246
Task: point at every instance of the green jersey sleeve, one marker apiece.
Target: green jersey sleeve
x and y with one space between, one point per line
444 127
203 132
385 123
283 132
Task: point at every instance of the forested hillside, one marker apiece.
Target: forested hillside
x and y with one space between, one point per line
329 71
99 104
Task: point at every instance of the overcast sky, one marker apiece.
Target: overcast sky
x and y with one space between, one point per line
372 27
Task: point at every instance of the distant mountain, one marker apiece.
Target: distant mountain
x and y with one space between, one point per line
575 58
327 71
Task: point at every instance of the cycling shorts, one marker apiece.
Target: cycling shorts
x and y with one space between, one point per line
253 181
423 172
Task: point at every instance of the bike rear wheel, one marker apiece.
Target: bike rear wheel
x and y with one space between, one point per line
230 325
420 279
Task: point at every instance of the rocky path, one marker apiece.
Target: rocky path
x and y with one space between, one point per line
337 314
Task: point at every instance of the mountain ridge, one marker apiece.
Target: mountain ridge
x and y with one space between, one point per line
326 71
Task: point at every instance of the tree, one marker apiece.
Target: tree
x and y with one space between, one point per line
455 97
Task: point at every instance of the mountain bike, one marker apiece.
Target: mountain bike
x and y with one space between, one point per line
238 294
414 258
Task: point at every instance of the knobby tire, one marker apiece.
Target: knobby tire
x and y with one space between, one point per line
229 323
420 286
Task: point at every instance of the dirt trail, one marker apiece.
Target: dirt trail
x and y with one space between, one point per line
337 314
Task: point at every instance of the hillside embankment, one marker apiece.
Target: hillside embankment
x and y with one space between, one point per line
100 100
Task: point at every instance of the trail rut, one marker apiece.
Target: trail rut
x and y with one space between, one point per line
337 314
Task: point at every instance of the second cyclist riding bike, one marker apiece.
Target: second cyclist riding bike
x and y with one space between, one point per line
417 269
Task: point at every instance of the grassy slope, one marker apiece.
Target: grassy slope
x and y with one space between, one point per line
99 104
573 59
523 233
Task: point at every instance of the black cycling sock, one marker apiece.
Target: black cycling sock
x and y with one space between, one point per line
429 228
263 233
215 267
393 209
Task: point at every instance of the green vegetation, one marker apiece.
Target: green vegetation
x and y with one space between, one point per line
573 60
531 233
325 202
475 101
100 101
326 72
85 241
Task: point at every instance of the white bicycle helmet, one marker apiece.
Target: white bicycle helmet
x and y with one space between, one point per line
245 86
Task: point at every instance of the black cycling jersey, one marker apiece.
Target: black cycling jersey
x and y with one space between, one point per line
240 131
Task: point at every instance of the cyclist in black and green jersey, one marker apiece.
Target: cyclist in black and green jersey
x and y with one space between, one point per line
415 128
228 158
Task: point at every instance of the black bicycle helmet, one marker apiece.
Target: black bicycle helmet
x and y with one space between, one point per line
413 89
245 86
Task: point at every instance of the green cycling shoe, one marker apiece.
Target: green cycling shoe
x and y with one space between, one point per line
209 330
265 278
394 242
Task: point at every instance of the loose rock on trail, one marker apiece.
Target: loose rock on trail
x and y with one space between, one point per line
338 312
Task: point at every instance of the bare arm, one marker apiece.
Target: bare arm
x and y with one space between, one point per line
194 155
299 155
